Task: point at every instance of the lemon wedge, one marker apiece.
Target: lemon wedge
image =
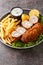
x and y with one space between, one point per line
24 17
34 12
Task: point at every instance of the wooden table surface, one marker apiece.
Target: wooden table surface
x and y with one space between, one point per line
8 56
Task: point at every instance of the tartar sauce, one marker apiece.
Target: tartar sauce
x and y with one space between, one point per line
16 11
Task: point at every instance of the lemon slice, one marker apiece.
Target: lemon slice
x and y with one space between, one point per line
34 12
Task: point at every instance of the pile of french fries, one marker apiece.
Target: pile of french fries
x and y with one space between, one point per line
7 25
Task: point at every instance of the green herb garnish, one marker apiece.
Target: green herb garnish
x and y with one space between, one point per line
21 44
41 19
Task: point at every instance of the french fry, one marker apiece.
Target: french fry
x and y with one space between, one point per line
17 22
7 41
6 18
0 29
10 29
2 33
6 23
12 22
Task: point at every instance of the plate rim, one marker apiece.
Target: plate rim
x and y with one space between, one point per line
20 47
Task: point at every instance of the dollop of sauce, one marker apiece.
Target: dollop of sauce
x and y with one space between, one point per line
16 11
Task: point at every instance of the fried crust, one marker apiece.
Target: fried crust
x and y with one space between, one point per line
32 33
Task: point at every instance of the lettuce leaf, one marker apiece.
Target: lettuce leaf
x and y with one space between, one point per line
21 44
41 19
